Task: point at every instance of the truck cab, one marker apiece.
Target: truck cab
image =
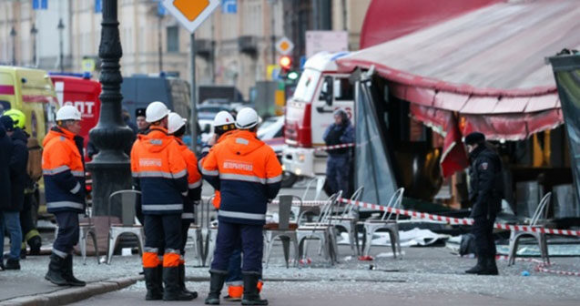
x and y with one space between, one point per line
320 92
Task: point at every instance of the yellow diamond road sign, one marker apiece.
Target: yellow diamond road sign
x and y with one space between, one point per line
284 46
191 13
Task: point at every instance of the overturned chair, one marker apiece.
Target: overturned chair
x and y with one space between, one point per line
128 225
283 230
515 235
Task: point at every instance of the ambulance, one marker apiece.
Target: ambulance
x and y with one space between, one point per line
32 92
83 93
320 92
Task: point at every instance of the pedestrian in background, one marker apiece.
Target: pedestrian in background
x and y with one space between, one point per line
64 181
6 149
339 160
249 176
486 192
33 174
160 173
10 211
176 127
142 124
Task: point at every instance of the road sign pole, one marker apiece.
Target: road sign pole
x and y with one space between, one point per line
193 96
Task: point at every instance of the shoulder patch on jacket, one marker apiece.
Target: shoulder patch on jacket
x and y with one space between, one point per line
483 166
156 142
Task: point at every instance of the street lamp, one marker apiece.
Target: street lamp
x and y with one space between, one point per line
60 28
110 168
13 35
33 32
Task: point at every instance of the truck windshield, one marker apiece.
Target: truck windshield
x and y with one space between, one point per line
307 85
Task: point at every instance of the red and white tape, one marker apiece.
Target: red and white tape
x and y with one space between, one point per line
462 221
340 146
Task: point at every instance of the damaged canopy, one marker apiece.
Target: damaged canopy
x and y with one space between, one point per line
484 70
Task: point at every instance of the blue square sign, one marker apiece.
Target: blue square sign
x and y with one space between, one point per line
229 6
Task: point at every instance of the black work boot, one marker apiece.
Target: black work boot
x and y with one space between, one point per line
172 291
154 283
480 267
251 294
490 267
55 271
35 243
182 282
216 284
68 275
12 264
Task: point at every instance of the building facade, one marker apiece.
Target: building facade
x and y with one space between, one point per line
235 45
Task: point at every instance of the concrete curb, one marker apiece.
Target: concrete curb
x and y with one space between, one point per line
72 295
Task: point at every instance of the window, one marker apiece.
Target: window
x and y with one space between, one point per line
173 39
343 90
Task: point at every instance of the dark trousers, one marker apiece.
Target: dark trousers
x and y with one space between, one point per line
163 232
337 173
483 231
68 233
184 229
26 222
228 238
235 268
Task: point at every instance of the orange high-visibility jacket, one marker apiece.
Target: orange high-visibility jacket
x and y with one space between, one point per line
217 196
193 181
160 172
247 173
63 171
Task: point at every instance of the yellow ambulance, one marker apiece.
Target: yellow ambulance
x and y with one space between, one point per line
30 91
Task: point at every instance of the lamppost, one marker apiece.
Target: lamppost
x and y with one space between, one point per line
33 32
60 28
13 35
110 168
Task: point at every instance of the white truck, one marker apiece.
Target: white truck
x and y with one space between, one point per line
321 90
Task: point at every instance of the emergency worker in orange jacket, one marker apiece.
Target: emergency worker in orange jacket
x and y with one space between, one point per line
176 127
224 126
64 182
160 172
248 175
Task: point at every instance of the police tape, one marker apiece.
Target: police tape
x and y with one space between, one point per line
461 221
340 146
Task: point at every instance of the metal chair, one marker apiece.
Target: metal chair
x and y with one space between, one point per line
208 233
194 233
283 230
85 229
127 225
371 226
349 219
515 235
322 230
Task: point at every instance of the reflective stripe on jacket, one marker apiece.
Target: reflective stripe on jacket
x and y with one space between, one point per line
193 181
63 171
160 172
217 195
248 175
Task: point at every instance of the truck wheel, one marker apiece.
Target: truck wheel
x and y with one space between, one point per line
288 179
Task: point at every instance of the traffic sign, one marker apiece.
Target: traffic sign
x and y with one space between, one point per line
284 46
191 13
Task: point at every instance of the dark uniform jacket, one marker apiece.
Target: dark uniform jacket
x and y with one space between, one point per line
18 176
486 182
5 155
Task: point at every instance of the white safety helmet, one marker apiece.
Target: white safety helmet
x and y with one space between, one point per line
68 112
223 118
247 118
175 123
156 111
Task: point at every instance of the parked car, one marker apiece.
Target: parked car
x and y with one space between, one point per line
271 131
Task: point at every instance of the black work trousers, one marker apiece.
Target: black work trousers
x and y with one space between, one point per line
483 231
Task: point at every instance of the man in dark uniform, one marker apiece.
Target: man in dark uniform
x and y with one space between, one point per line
485 194
339 160
142 124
